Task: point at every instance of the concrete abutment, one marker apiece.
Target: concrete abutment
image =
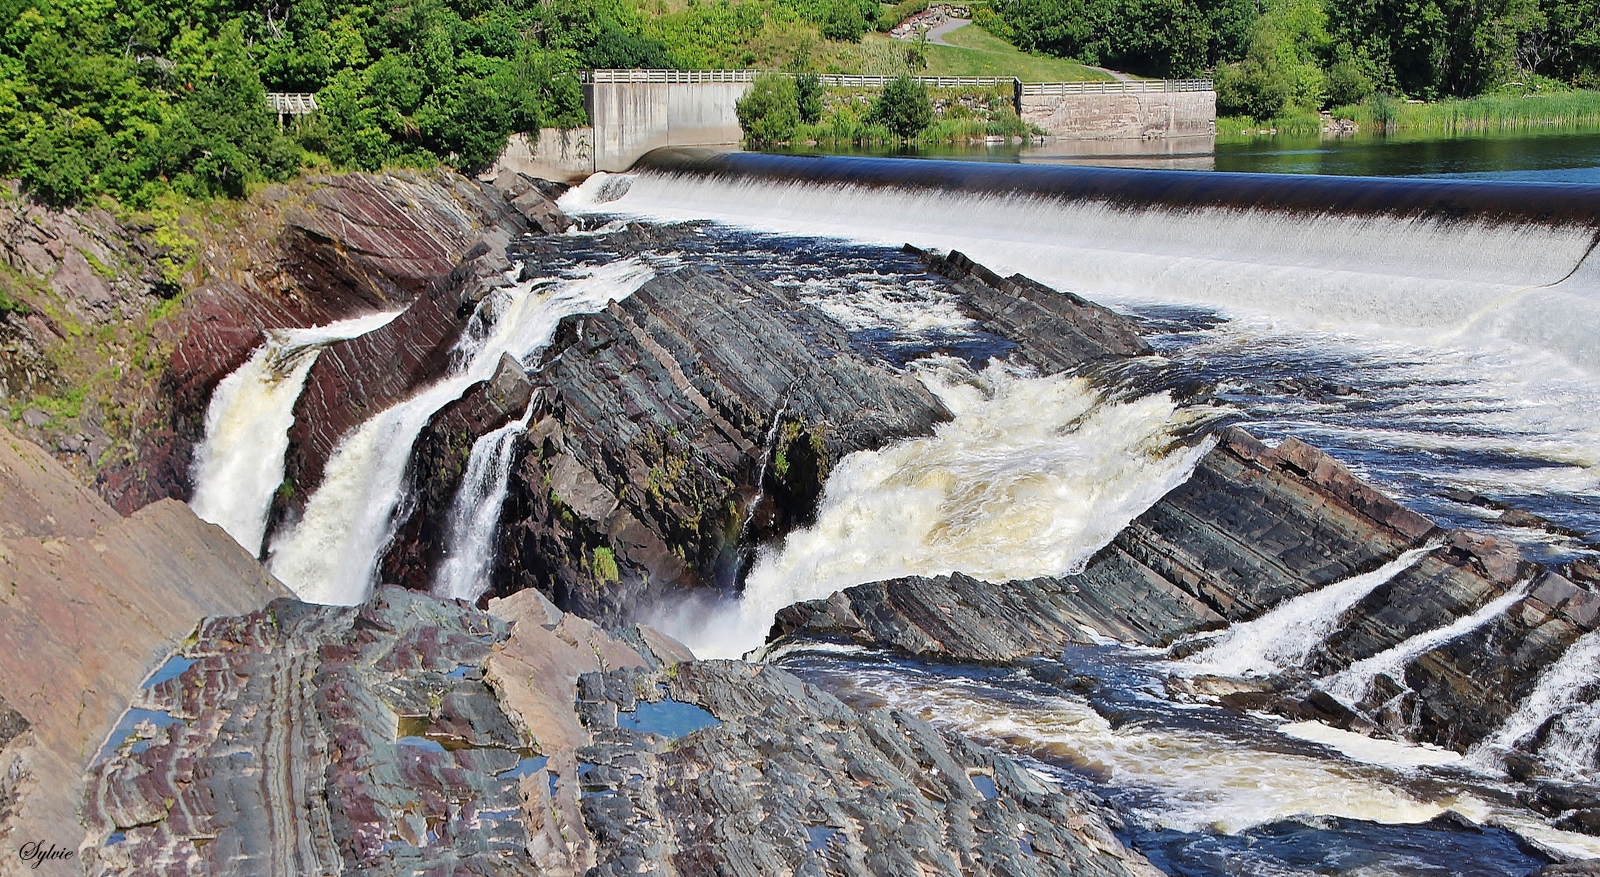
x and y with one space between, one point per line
634 111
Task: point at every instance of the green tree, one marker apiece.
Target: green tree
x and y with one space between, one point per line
1436 48
770 110
903 108
1348 84
847 20
808 93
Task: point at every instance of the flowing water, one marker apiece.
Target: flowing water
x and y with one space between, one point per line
1453 361
1282 639
473 525
1352 684
1030 478
331 554
1452 357
1564 701
240 463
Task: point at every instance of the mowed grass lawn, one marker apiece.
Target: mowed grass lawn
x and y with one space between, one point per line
976 52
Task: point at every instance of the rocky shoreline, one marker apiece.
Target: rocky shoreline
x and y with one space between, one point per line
669 434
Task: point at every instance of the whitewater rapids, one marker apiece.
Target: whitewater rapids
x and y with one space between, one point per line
1030 478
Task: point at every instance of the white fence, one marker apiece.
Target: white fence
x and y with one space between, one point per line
674 77
840 80
289 104
1134 86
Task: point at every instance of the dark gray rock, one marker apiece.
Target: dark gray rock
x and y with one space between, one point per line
678 428
1255 527
1251 528
792 781
1054 331
438 462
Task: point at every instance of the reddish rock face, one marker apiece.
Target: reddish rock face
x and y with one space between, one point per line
325 249
354 379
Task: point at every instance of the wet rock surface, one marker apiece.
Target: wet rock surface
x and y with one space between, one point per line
1053 330
356 379
414 735
322 249
701 416
790 780
1252 528
439 461
680 425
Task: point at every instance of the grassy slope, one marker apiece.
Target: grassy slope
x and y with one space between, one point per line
976 52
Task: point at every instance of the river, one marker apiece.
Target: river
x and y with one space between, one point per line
1440 337
1421 353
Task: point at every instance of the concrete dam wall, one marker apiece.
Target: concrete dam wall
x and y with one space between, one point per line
634 111
1122 115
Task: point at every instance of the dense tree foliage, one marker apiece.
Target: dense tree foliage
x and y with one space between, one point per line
1160 37
1272 54
147 96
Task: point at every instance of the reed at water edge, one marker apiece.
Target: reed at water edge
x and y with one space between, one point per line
1485 114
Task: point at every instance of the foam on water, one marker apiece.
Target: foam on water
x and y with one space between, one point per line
1371 750
1196 780
1446 281
1282 639
474 520
1352 684
1030 478
1474 342
1559 701
331 554
240 462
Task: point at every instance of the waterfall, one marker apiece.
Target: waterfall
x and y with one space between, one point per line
1352 684
331 554
1573 747
769 446
1030 478
240 462
1570 747
1282 639
474 519
1482 280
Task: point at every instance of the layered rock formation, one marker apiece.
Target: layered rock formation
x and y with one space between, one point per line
90 602
791 781
1253 528
700 417
412 735
1052 331
680 425
355 379
438 463
319 250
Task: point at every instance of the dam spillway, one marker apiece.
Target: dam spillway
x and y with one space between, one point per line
1428 336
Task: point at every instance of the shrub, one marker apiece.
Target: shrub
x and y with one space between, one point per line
770 110
903 108
1347 84
845 21
808 91
1250 90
